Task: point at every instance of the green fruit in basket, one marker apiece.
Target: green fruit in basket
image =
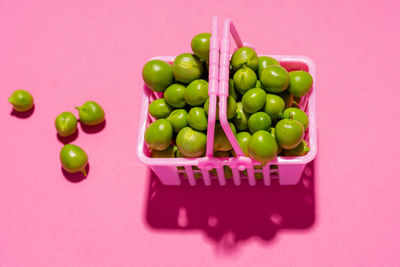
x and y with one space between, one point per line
197 119
244 79
66 124
73 159
264 62
91 113
159 108
274 106
254 100
196 93
187 68
201 45
158 135
300 150
240 120
167 153
221 142
287 97
232 90
300 83
157 75
289 133
298 115
21 100
259 121
274 79
178 119
243 139
244 56
191 143
262 147
174 95
231 106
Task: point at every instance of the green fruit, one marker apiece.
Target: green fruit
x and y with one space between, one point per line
274 106
274 79
178 119
191 143
91 113
300 83
289 133
174 95
244 79
167 153
197 119
240 120
66 124
264 62
221 142
231 106
298 115
159 108
243 139
254 100
287 97
73 159
187 68
259 121
21 100
232 90
262 147
244 56
157 75
158 135
300 150
196 92
201 45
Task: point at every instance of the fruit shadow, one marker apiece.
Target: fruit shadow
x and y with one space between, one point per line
76 177
24 114
229 215
68 139
93 129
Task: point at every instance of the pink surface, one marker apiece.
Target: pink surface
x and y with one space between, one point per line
345 212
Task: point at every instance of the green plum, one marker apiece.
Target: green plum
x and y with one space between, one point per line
274 106
243 139
221 142
174 95
197 119
187 68
254 100
191 143
289 133
73 159
232 90
159 108
240 120
298 115
231 106
158 134
262 147
178 119
300 83
167 153
201 45
91 113
244 79
21 100
274 79
300 150
66 124
244 56
196 93
259 121
264 62
157 75
287 97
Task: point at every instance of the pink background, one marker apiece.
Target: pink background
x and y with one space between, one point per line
346 211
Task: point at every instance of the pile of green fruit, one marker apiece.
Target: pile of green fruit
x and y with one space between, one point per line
262 106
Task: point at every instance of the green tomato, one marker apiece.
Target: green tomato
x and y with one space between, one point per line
191 143
300 150
231 106
289 133
187 68
259 121
174 95
197 119
221 142
254 100
298 115
21 100
201 45
167 153
66 124
240 120
73 159
300 83
157 75
274 106
287 97
178 119
243 139
244 79
232 90
262 147
274 79
264 62
244 56
196 93
159 108
158 135
91 113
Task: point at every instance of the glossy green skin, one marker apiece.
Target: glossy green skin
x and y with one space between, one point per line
231 106
240 120
21 100
73 159
158 135
232 90
272 131
243 139
300 83
196 93
298 115
259 121
178 119
167 153
264 62
174 95
287 97
274 79
300 150
191 143
254 100
289 133
91 113
66 124
244 79
197 119
244 56
262 147
160 109
221 142
274 106
201 45
157 75
187 68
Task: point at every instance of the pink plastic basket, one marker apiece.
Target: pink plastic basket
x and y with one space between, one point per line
287 170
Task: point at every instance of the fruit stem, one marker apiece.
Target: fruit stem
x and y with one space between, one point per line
291 116
84 172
